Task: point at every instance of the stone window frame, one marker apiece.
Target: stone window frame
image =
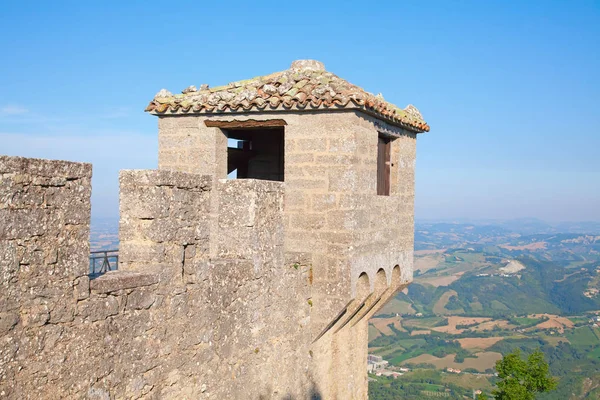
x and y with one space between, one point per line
253 125
384 164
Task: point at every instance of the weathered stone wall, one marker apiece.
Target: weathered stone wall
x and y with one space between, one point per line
226 289
334 214
173 322
338 222
164 223
237 322
186 145
44 249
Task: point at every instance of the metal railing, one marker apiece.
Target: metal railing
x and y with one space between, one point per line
103 261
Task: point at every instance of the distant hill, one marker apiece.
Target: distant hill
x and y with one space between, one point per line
482 290
523 226
542 287
104 234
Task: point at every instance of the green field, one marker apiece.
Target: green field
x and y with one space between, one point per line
584 336
373 332
525 320
396 306
579 320
405 355
595 354
496 305
422 323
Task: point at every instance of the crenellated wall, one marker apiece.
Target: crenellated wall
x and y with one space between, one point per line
173 322
226 288
236 322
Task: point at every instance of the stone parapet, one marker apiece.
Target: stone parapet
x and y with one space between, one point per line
165 222
113 281
175 321
44 249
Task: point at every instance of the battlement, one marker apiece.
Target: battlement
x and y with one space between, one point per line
144 329
205 274
256 287
180 220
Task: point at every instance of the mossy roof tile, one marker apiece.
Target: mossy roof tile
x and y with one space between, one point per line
305 86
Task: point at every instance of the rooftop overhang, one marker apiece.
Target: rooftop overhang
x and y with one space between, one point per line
306 86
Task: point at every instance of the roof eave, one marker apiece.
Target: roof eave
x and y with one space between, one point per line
180 111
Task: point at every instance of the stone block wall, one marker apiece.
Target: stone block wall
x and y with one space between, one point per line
332 209
183 148
165 222
356 245
237 320
346 231
174 322
44 250
334 220
226 289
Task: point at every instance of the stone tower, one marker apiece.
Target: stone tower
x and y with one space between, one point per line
346 159
258 287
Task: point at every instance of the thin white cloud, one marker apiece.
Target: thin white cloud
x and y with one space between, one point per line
12 109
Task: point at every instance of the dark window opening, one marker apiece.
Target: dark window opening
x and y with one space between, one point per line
384 152
255 153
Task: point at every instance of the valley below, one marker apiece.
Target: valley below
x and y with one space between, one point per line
479 292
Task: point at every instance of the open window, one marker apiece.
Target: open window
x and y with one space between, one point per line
384 147
255 153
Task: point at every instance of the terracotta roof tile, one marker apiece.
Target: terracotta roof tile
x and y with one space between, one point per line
306 85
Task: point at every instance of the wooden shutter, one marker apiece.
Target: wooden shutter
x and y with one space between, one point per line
383 166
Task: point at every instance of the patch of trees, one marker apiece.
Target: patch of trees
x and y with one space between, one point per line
462 354
453 303
420 366
541 289
522 379
466 326
567 362
416 386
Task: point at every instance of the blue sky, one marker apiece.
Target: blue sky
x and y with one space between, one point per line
511 89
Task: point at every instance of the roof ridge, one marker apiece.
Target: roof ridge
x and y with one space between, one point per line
305 84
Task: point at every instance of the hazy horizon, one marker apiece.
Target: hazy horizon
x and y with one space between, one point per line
458 221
